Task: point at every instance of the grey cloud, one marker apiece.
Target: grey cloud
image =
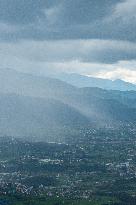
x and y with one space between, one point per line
62 19
23 11
77 11
125 9
44 33
104 51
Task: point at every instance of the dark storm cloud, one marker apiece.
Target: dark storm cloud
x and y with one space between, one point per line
58 19
77 11
80 12
23 11
41 32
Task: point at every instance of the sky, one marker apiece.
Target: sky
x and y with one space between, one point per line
90 37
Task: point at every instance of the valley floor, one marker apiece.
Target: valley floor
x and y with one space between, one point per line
98 170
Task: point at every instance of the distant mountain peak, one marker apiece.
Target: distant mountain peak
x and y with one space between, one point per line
82 81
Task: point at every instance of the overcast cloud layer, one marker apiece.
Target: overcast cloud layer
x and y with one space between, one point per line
92 37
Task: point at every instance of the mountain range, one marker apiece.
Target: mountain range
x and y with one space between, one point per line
49 109
85 81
